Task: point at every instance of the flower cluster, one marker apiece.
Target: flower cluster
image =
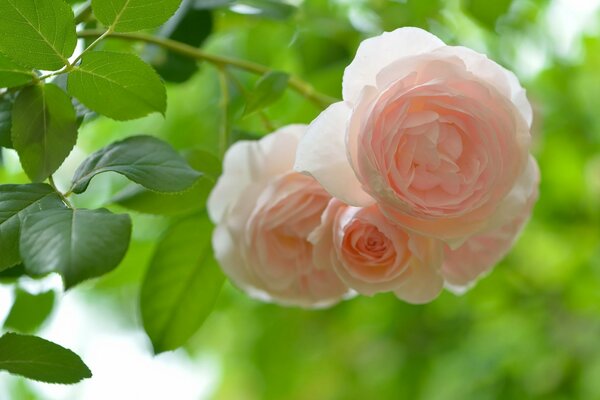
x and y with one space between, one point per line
420 178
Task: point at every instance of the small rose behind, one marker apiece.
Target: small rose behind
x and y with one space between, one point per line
372 255
436 135
264 212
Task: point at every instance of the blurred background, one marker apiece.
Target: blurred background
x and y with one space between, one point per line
531 329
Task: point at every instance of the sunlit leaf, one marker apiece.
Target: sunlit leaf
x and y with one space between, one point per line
41 360
29 311
13 74
37 33
134 15
118 85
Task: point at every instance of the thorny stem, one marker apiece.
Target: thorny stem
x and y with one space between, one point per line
300 86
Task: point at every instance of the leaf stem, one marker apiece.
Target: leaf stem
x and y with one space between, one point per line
224 105
92 45
303 88
62 196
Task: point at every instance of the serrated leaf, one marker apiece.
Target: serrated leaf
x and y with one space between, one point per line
142 200
6 105
37 33
41 360
118 85
81 111
269 88
16 202
181 285
146 160
78 244
44 129
134 15
13 74
29 311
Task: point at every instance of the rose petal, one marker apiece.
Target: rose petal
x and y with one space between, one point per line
376 53
425 282
489 71
321 154
252 161
475 258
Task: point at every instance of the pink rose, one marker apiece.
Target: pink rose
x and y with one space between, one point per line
436 135
372 255
478 255
264 213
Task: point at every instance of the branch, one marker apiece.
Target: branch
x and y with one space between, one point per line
303 88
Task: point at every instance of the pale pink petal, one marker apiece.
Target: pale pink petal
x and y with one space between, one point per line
425 282
494 74
424 286
322 154
519 196
376 53
253 161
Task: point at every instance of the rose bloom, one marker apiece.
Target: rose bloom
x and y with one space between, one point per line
372 255
478 255
436 135
264 212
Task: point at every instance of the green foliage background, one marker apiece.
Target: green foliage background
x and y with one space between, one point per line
531 329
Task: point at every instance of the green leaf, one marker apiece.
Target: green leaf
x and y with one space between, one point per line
190 26
13 74
210 4
37 33
118 85
78 244
16 202
81 111
181 285
134 15
12 274
146 160
44 129
487 12
6 105
29 311
273 9
41 360
143 200
269 88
